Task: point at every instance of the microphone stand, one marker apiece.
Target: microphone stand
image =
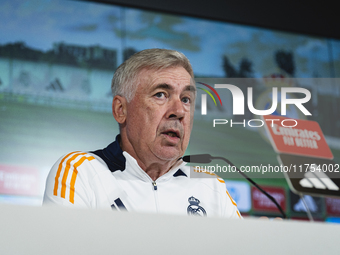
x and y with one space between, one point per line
206 158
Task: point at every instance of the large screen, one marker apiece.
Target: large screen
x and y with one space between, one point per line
57 59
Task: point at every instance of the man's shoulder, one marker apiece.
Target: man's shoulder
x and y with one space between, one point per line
73 179
112 155
79 160
205 177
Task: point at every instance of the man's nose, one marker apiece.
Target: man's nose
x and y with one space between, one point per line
176 109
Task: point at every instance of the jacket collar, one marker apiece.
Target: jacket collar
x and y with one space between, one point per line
114 154
134 169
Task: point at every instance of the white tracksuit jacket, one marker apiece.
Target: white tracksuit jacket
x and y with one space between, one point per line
84 180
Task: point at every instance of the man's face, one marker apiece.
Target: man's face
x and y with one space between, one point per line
159 117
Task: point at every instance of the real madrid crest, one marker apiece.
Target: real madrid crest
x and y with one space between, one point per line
194 208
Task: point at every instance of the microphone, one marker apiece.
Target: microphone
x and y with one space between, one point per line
199 158
207 158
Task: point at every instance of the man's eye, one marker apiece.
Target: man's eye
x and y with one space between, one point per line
186 100
160 94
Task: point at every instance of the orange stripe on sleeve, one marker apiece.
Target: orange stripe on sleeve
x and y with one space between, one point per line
220 179
239 215
56 179
74 176
73 181
232 200
67 168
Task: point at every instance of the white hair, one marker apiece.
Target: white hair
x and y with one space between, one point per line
125 79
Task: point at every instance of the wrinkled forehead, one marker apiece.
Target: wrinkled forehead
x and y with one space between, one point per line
173 76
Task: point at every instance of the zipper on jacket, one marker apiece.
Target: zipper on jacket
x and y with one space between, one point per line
154 185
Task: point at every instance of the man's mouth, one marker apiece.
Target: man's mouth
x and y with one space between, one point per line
172 133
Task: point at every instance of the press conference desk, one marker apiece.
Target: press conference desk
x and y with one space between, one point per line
44 230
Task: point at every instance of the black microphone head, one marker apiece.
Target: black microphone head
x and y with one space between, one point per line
199 158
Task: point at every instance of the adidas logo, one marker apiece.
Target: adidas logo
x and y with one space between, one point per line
318 180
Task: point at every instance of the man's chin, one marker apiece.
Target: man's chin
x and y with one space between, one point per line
169 154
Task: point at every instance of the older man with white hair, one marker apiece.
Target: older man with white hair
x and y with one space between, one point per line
142 170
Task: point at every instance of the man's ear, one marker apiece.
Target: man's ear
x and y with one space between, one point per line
119 109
